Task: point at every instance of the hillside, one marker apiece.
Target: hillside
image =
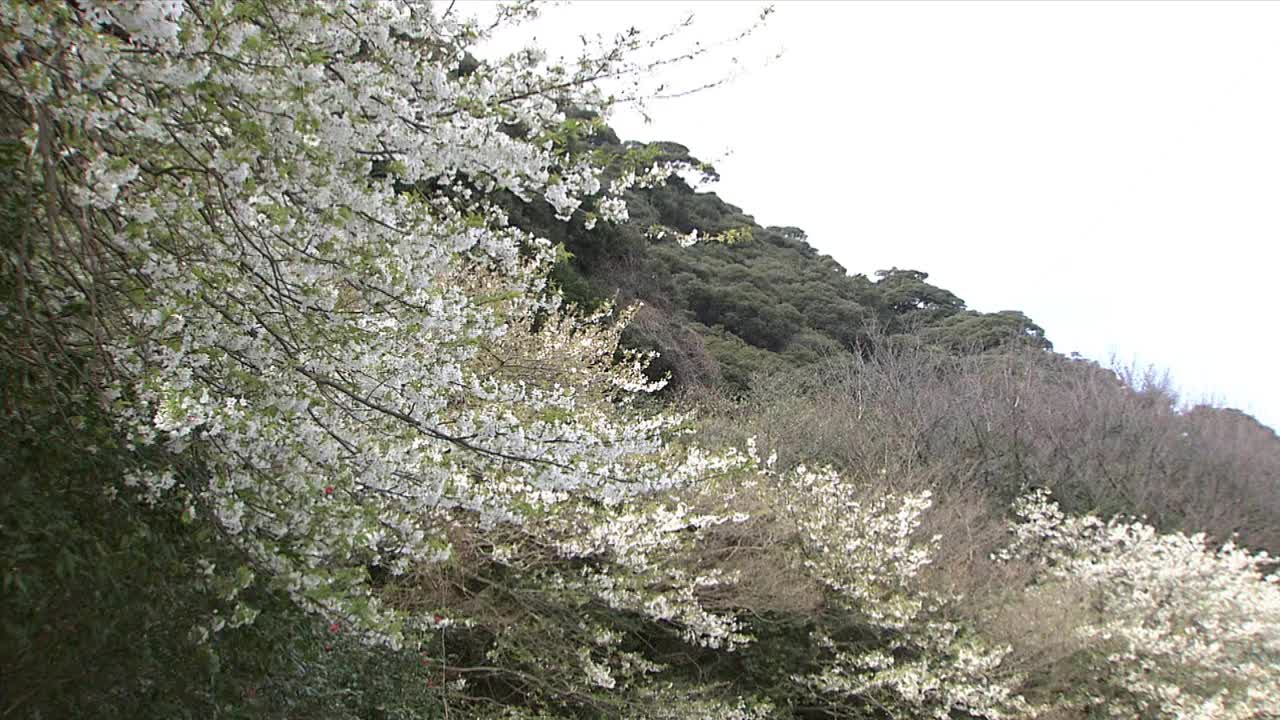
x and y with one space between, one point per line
751 299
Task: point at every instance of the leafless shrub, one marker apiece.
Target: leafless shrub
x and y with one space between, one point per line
759 555
682 351
996 425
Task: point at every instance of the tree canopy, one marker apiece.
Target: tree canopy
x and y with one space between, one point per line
748 289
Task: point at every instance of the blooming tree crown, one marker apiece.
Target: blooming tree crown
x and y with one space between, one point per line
305 298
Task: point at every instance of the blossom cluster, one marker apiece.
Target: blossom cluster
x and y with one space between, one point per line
865 547
1177 628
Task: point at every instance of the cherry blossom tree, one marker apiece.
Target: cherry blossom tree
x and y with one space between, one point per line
1173 628
272 227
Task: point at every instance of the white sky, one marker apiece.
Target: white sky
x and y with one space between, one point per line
1112 169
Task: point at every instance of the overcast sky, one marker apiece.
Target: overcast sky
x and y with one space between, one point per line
1112 169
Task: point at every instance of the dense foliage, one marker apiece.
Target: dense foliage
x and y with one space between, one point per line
314 406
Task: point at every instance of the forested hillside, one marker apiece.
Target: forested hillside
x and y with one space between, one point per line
747 299
345 375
